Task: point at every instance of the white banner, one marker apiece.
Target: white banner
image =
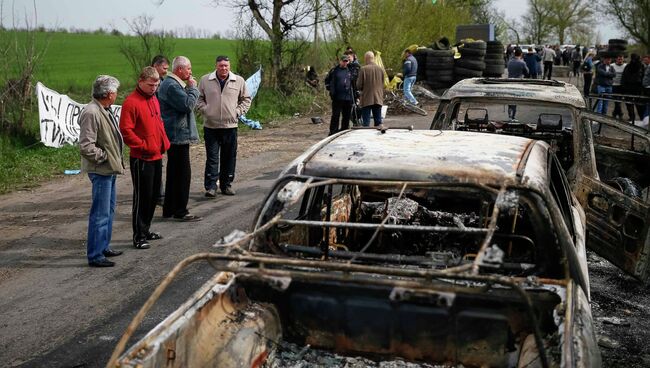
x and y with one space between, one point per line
59 117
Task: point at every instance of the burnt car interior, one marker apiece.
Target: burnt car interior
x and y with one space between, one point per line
433 227
622 160
401 227
549 123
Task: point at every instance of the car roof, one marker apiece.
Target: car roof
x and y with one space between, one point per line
533 90
425 155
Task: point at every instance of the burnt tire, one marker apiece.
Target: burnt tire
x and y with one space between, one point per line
470 64
463 73
627 186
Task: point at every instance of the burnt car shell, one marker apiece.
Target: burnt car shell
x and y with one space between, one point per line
310 276
604 158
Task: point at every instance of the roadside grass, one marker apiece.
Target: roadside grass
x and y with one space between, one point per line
70 65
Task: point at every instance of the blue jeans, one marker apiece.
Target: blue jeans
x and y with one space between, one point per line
408 84
601 107
102 212
376 114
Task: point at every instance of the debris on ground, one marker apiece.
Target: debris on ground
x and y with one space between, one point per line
290 355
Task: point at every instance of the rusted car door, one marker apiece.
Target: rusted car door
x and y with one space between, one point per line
616 204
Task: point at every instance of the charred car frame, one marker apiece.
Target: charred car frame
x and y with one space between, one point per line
449 248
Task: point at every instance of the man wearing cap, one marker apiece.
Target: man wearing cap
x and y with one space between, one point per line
339 84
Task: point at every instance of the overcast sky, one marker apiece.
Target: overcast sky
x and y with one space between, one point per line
172 14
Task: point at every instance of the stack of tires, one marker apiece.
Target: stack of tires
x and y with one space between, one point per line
472 60
439 68
616 47
494 62
420 56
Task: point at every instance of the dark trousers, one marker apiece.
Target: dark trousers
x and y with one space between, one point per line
179 175
618 111
340 109
221 157
548 69
587 87
146 177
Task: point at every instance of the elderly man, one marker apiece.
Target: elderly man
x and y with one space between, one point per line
223 99
371 85
178 96
143 131
100 145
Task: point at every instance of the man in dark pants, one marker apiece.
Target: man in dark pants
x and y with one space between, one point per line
223 98
339 84
178 96
548 56
143 131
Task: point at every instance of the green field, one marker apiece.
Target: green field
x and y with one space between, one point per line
72 61
70 65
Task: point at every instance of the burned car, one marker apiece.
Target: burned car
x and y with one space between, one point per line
605 160
433 248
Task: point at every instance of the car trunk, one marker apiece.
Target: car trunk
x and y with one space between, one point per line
250 323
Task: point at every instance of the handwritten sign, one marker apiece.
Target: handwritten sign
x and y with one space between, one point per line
59 117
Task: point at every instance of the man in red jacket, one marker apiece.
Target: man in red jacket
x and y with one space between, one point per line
143 131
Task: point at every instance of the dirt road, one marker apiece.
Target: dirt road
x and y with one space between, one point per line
57 312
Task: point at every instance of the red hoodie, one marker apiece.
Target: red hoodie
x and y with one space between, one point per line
142 126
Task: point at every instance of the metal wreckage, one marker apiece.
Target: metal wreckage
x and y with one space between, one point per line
394 248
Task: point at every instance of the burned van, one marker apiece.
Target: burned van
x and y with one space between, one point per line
389 247
604 159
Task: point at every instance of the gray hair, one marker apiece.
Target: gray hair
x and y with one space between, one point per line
180 61
104 84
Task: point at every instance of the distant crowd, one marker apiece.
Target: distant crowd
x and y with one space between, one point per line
600 76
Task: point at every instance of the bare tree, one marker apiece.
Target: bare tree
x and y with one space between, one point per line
633 16
148 43
279 19
569 15
537 22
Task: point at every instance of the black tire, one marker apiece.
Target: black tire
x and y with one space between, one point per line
467 73
440 53
470 64
432 73
445 66
617 41
494 43
477 45
494 56
495 69
440 60
464 52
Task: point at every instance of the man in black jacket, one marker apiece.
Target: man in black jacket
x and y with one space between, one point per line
339 84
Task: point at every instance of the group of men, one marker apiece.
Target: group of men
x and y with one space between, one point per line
158 118
350 84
